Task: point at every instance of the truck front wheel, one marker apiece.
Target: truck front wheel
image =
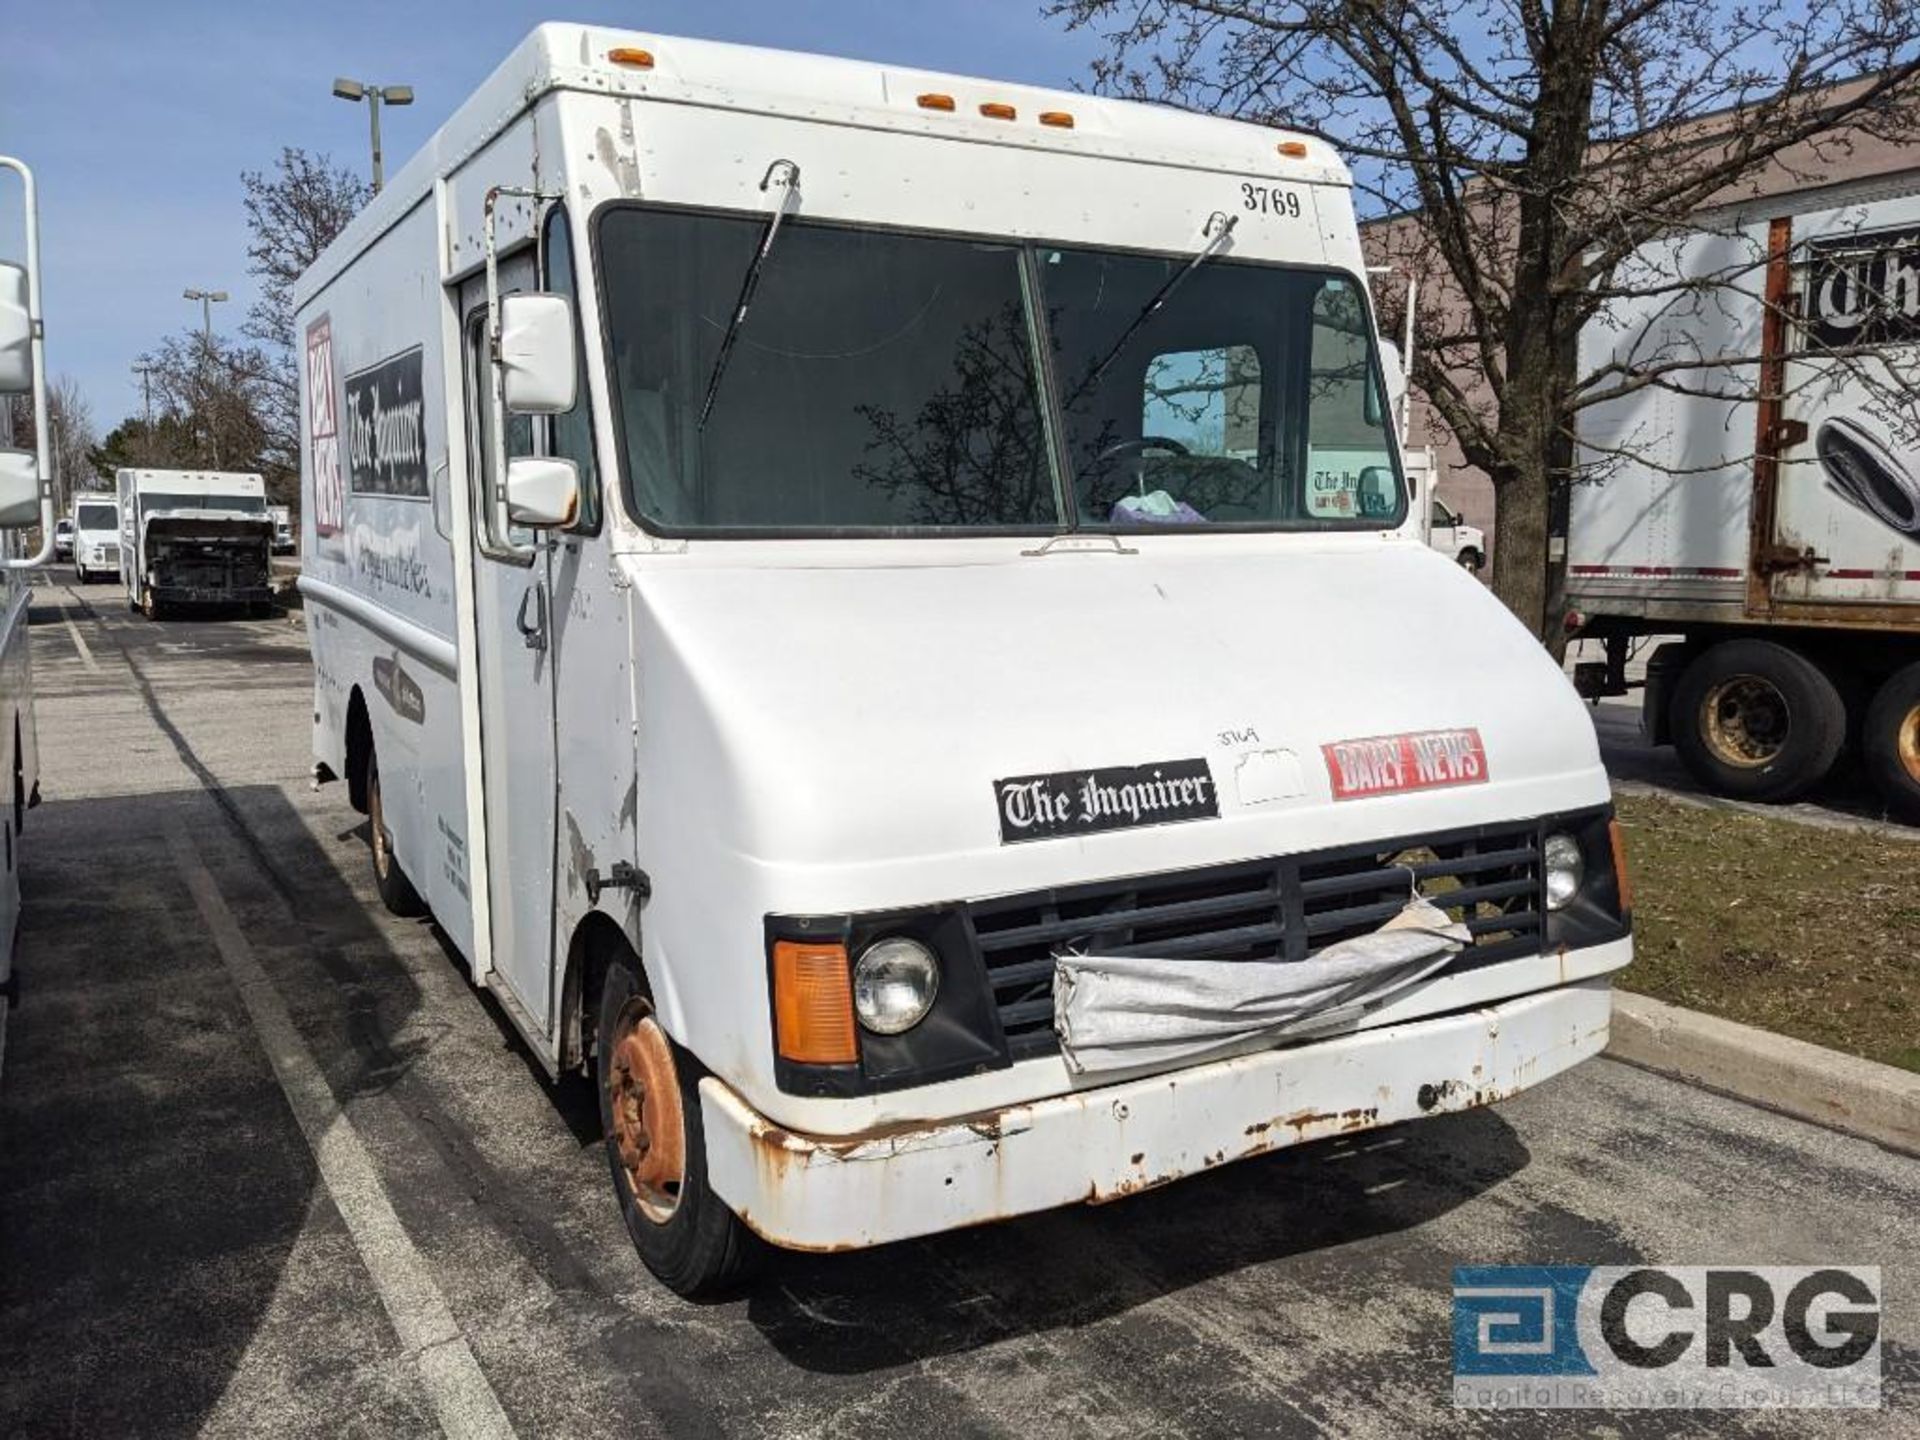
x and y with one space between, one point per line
1757 721
656 1147
1890 741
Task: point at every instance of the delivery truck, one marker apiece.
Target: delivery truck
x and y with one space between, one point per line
1756 527
26 501
880 612
96 536
194 538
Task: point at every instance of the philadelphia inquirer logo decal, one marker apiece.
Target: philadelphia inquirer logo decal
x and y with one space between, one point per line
1085 802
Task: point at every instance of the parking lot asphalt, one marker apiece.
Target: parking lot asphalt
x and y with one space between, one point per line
269 1164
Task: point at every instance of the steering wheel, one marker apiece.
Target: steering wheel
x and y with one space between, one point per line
1138 447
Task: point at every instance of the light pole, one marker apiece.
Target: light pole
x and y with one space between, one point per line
207 298
347 89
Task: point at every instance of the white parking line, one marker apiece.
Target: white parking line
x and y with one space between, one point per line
79 642
462 1398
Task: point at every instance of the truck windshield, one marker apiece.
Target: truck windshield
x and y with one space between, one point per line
151 500
886 381
97 517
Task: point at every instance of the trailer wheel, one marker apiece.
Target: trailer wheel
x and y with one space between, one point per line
1890 741
656 1147
1757 721
396 891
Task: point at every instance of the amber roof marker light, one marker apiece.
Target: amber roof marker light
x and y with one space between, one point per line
631 56
1293 149
1059 119
996 110
934 101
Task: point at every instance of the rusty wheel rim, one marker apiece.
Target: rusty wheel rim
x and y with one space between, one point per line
377 817
643 1093
1746 721
1906 743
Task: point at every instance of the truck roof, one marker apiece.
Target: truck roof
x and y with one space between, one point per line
196 479
799 85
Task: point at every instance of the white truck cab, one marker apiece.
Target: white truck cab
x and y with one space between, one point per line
1450 534
96 535
879 610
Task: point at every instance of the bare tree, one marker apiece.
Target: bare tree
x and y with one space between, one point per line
215 398
70 437
293 213
1533 149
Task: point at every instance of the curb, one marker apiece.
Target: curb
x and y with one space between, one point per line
1877 1102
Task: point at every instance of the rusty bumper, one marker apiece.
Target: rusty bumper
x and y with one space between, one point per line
810 1192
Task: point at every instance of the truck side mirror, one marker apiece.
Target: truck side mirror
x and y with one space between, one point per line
536 354
1394 371
19 489
542 493
16 332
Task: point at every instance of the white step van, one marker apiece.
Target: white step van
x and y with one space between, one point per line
96 535
880 613
194 538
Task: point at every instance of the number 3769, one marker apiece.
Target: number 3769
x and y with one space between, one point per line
1270 200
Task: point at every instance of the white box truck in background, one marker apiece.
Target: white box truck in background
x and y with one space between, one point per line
96 535
1777 540
821 575
194 537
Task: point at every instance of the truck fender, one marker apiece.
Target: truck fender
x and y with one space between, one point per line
597 939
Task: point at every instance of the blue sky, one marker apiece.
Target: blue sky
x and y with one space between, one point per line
139 115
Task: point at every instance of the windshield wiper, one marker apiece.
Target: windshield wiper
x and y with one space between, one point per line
1215 232
788 181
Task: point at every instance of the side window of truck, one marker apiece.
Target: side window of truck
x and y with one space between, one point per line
516 544
570 436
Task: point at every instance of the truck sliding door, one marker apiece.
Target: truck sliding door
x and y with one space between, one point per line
513 627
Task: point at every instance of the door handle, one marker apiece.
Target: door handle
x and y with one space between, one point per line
535 634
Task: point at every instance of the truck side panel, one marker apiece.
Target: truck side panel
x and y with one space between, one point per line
1666 511
374 530
1850 491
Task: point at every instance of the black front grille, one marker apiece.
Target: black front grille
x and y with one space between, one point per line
1280 909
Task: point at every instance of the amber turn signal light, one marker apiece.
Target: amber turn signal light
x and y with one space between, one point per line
1623 882
813 1004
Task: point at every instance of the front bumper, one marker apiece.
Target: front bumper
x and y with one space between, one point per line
846 1192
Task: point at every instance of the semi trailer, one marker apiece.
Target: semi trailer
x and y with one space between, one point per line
1754 526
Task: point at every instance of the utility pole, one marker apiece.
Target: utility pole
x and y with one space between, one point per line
357 90
207 298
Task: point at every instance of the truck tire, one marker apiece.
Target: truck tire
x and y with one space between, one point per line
656 1146
396 890
1471 560
1757 721
1890 741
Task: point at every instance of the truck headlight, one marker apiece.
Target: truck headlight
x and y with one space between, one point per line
1565 869
894 982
